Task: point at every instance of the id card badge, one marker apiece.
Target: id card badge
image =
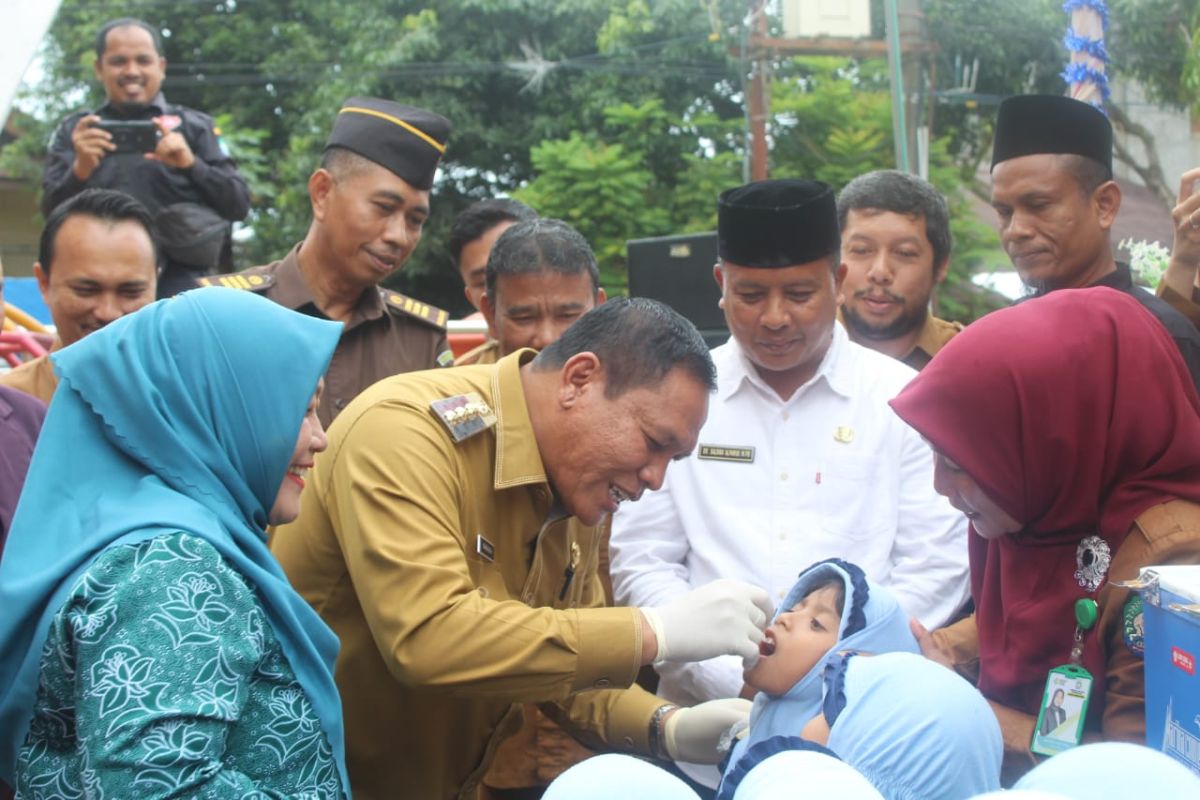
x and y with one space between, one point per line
1064 709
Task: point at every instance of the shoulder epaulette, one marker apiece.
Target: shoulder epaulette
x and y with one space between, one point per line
431 315
464 415
239 280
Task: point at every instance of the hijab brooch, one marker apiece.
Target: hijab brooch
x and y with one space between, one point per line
1092 558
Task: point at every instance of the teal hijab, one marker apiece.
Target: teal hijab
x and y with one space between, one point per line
180 417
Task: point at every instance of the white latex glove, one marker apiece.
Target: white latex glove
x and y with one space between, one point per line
694 734
724 617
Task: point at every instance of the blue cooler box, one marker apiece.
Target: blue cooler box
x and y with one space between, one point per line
1172 639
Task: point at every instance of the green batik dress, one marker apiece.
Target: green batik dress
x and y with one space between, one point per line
161 677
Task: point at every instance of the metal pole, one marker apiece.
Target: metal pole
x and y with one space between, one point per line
895 67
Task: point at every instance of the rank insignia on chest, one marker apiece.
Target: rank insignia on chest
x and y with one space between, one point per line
464 415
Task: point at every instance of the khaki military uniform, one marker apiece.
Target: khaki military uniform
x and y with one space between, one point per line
388 333
457 588
35 377
486 353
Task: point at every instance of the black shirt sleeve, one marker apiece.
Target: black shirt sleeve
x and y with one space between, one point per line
58 178
214 173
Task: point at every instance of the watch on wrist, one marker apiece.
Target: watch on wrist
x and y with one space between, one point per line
658 739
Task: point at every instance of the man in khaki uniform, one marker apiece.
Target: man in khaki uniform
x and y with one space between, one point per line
97 262
540 277
370 200
472 237
436 541
896 247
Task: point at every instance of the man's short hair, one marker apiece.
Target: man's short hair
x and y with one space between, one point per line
342 163
106 205
126 22
638 341
541 245
901 193
479 218
1088 173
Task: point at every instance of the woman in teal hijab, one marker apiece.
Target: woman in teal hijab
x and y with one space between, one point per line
149 643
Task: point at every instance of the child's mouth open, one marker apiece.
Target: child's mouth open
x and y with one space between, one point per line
767 646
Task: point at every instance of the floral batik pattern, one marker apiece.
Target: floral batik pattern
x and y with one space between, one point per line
161 677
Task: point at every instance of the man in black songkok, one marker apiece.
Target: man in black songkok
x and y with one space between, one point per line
1053 189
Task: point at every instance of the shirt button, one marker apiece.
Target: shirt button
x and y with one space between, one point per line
786 416
483 592
783 476
602 683
629 742
340 403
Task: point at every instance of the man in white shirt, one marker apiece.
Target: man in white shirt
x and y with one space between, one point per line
801 458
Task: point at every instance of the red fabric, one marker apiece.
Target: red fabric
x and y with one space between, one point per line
1074 413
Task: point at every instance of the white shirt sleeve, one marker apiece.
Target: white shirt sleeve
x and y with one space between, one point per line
649 551
929 572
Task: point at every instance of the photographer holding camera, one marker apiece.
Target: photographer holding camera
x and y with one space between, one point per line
161 153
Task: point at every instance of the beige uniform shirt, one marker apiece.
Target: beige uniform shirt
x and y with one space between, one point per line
935 334
456 589
388 334
486 353
35 377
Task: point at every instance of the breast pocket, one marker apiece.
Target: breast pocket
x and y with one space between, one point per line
854 499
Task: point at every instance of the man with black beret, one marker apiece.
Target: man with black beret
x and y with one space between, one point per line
370 200
801 459
1053 189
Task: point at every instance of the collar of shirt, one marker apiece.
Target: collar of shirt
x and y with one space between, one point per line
738 373
158 105
935 334
1120 279
518 462
292 292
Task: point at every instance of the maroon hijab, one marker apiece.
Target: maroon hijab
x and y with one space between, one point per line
1074 413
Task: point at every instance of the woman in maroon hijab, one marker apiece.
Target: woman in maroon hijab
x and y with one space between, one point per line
1067 430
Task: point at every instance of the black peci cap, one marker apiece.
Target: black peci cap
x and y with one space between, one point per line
777 223
406 140
1035 124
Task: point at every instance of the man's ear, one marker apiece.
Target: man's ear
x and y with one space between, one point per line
719 277
489 313
941 271
1107 202
581 375
43 280
839 278
320 186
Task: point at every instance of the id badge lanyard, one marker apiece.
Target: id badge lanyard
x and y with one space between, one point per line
1067 693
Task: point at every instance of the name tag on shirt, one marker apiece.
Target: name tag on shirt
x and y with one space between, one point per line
724 452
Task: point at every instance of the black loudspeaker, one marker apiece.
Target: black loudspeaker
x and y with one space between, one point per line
678 271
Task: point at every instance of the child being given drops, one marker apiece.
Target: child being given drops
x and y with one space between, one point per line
833 607
841 674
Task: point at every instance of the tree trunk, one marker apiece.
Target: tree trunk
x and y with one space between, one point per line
1151 172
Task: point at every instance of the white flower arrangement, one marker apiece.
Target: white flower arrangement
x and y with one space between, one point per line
1148 260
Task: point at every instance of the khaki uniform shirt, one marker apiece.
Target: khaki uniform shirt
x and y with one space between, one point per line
935 334
456 589
1188 306
1168 533
486 353
388 334
35 377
